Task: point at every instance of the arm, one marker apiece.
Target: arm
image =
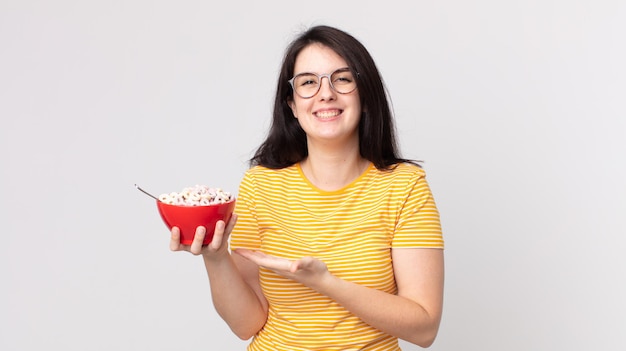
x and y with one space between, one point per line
236 294
412 315
234 282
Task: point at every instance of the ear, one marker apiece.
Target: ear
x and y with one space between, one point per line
292 105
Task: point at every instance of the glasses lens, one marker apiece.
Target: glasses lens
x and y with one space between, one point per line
343 81
306 84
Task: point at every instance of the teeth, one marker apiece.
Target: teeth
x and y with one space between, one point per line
327 114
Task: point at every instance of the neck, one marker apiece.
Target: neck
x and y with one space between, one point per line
333 170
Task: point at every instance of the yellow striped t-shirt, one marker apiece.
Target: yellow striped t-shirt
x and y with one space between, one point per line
352 230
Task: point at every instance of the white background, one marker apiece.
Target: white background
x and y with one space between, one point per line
517 109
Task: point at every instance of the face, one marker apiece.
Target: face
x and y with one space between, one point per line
328 116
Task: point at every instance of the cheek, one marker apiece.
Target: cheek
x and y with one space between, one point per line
299 109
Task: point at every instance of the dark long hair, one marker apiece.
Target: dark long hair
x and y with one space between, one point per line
286 142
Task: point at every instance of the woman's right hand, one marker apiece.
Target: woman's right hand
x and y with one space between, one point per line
217 246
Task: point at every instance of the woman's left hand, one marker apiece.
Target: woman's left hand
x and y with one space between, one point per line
309 271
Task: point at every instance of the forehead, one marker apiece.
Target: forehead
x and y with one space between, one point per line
318 58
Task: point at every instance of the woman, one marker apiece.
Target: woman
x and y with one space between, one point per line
335 242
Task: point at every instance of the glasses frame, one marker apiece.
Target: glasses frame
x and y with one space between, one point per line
320 76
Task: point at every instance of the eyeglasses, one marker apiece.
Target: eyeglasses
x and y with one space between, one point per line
307 84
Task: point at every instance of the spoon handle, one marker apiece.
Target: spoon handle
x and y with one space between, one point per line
147 193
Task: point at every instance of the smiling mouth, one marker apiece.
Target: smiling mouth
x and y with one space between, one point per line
328 114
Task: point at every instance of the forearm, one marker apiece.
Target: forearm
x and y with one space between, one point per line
233 298
395 315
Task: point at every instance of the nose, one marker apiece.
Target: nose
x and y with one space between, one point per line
326 90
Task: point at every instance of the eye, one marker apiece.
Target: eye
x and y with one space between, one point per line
306 80
343 77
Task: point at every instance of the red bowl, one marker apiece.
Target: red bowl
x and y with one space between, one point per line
188 218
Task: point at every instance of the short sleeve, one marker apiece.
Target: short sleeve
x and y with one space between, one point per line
246 232
418 223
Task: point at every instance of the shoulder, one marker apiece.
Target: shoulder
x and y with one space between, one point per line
401 171
262 171
261 174
410 168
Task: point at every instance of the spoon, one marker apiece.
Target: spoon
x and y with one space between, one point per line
147 193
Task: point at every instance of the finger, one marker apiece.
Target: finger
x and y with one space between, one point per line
231 223
198 238
251 255
175 239
222 232
301 264
266 261
218 235
294 266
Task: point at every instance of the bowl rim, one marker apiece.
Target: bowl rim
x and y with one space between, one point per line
198 206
